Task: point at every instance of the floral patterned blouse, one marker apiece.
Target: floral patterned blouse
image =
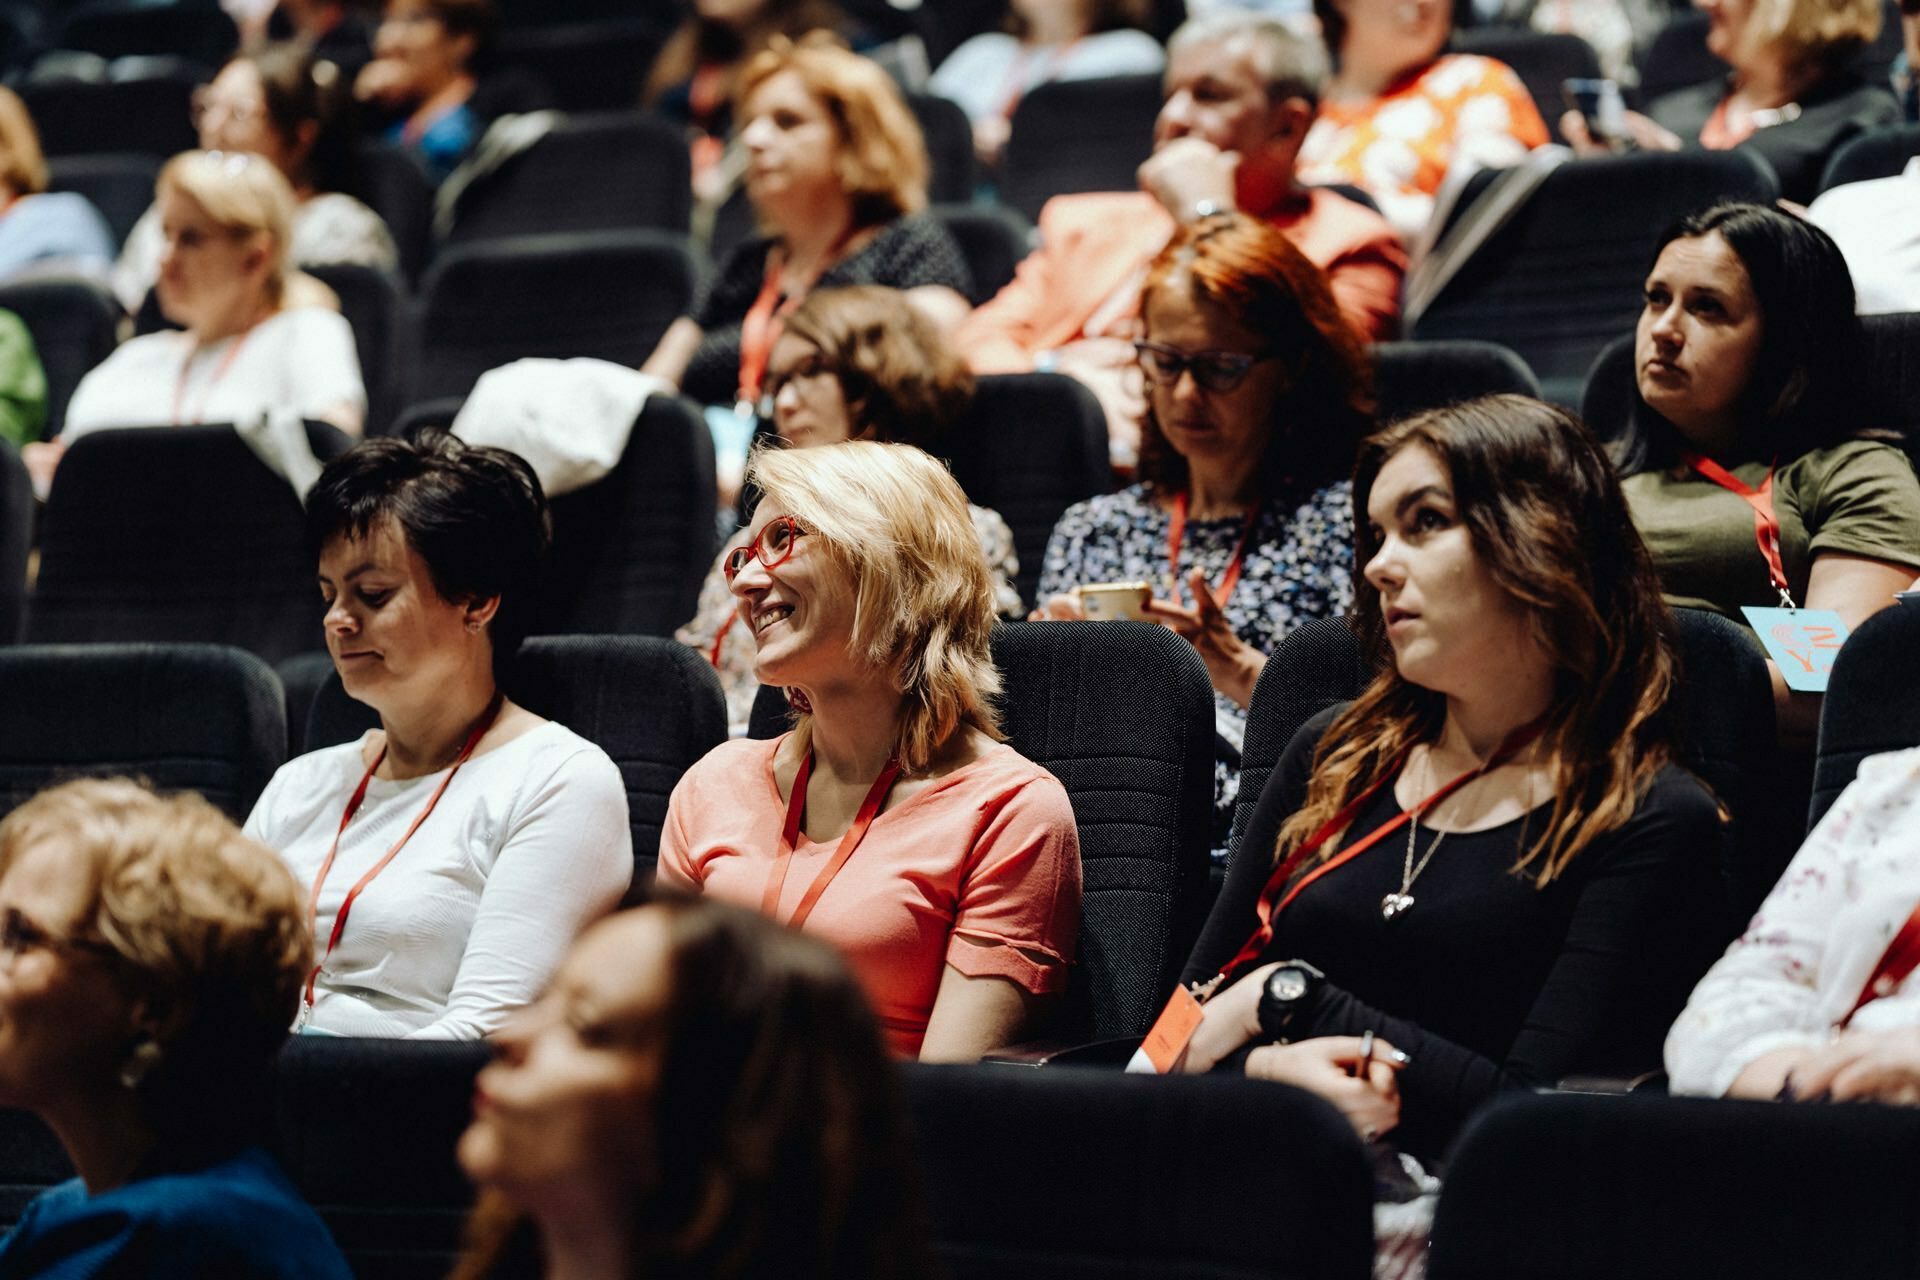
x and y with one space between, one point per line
735 661
1298 567
1793 976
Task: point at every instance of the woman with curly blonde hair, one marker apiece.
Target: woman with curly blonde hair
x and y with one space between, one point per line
150 963
943 863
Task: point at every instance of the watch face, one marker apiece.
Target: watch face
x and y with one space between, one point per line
1287 984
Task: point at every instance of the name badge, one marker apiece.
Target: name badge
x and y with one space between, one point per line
1167 1043
1802 642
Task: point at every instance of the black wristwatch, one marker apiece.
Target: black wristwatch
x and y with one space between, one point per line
1291 988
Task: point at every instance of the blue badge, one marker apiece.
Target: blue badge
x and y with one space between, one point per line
1802 642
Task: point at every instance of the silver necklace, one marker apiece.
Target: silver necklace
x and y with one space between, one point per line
1395 904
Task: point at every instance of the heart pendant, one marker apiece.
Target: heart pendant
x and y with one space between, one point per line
1393 904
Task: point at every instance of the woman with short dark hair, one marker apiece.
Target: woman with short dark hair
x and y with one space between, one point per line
454 852
424 76
704 1094
150 959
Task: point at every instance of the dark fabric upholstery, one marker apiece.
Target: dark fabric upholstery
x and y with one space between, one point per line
120 186
1409 377
176 535
75 325
1678 57
16 541
652 705
609 294
202 33
300 679
631 550
585 66
621 170
149 114
994 240
1584 1188
185 717
367 1129
1606 405
1122 714
393 184
1562 277
1030 446
375 304
951 167
1872 702
1212 1177
1315 665
1543 60
1078 135
1882 153
1722 716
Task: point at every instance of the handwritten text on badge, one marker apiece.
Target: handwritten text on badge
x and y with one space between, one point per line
1802 642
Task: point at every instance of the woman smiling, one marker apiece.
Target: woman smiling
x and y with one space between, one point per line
943 863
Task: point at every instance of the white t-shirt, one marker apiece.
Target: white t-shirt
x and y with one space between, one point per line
301 360
987 70
529 844
1877 226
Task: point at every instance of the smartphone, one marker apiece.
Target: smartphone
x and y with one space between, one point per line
1599 101
1116 601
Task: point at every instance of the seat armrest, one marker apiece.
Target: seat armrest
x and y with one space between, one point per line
1648 1082
1042 1053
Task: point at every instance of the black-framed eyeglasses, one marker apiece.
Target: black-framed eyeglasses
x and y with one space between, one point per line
1212 370
770 547
19 935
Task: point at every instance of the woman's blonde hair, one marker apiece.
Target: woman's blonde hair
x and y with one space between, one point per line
243 193
23 166
1824 33
882 161
203 923
923 598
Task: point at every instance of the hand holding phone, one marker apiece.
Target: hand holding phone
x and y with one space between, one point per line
1602 108
1116 601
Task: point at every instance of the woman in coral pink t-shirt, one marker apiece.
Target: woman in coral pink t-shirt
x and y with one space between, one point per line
892 821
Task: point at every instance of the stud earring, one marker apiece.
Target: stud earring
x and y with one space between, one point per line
145 1057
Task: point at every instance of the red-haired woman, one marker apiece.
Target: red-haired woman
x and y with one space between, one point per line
1257 394
1519 730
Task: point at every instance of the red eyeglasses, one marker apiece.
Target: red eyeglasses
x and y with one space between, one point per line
771 547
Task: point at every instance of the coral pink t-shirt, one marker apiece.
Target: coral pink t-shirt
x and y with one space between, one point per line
980 870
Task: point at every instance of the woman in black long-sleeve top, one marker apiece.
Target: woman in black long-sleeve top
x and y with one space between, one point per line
1549 908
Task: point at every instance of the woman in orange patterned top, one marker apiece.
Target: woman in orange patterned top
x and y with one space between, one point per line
1400 110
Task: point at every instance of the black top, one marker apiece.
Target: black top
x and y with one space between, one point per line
1487 982
910 252
1833 114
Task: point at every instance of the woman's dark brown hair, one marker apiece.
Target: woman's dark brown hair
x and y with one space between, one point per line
903 382
1253 273
779 1122
1102 15
700 42
1547 519
308 102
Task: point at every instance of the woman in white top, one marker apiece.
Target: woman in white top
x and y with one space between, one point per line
281 104
257 338
1804 1004
452 854
1045 41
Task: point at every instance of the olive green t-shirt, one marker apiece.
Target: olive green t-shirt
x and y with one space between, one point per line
1859 498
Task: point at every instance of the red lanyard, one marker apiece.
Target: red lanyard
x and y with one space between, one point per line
1766 527
790 837
353 807
213 382
720 638
764 320
1902 958
1271 904
1177 533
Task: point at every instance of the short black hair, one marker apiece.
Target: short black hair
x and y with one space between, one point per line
1806 390
476 515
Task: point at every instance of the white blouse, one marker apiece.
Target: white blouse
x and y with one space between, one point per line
529 844
301 360
1790 979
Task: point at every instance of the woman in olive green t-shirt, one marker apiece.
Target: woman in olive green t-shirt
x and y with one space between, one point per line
1747 363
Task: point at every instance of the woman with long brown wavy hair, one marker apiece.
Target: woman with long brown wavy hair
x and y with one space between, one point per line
701 1093
1487 872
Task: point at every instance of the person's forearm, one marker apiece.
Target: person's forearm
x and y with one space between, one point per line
675 351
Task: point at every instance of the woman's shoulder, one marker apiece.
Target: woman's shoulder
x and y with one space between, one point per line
1453 75
306 324
1106 510
1822 465
1004 778
730 762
